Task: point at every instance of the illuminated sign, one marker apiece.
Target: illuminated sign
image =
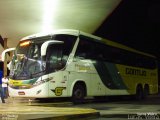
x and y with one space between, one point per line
25 43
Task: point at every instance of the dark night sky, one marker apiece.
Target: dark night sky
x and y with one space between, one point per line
135 23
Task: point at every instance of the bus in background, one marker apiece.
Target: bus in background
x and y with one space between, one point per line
72 63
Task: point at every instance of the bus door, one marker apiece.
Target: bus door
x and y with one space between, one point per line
56 75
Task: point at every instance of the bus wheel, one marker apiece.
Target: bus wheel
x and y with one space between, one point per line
78 93
139 93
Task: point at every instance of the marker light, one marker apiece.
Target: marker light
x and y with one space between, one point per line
25 43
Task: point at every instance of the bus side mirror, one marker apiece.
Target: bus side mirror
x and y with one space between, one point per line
4 56
5 52
46 44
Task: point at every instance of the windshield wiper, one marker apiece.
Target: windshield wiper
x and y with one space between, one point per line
37 74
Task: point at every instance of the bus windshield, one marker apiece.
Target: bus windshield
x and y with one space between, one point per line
27 62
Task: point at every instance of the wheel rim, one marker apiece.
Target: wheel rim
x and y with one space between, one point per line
78 94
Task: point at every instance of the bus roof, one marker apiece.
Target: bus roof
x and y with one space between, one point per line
78 32
61 31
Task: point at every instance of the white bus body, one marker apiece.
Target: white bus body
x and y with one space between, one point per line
55 65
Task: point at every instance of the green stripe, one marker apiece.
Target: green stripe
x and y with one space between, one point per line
31 81
109 75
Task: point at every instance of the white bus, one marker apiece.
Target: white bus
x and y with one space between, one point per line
71 63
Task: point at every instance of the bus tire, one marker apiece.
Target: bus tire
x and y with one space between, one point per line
145 91
78 93
139 93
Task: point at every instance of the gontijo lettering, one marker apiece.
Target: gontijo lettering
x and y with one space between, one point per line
137 72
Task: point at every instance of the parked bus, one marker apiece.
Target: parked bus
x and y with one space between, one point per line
71 63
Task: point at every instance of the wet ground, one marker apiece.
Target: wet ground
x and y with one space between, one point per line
108 109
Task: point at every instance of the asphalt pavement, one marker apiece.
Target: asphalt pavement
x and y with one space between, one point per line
22 109
26 109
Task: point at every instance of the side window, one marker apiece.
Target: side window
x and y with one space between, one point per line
85 49
69 41
54 58
108 53
88 48
101 52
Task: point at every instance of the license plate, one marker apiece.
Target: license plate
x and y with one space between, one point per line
21 93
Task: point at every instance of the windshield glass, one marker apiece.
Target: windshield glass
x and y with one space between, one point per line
27 62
